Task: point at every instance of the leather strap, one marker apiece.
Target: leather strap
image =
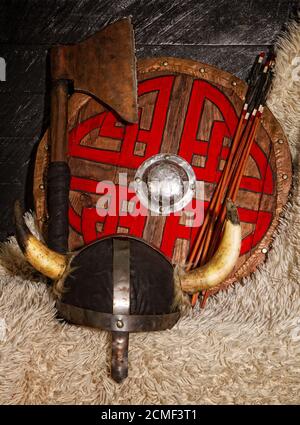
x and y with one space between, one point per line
58 206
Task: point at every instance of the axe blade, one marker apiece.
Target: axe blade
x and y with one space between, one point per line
103 66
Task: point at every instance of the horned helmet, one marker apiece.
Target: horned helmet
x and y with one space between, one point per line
122 284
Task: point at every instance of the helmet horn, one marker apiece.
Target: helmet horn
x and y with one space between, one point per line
215 271
43 259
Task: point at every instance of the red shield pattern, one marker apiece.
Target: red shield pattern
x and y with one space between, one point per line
191 110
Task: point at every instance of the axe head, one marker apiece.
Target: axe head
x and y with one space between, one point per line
102 66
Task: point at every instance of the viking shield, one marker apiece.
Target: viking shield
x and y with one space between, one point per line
188 109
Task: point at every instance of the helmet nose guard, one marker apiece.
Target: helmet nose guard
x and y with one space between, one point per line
120 284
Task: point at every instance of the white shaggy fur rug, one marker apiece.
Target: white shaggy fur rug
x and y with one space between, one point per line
244 348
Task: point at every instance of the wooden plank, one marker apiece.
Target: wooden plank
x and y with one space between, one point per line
206 22
15 155
23 115
156 21
25 69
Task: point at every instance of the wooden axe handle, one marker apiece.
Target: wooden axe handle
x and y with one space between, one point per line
59 120
58 172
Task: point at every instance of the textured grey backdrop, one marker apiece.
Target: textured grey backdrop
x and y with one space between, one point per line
225 33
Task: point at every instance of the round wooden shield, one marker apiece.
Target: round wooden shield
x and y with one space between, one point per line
185 108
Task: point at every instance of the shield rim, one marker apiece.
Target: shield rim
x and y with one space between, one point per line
206 72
